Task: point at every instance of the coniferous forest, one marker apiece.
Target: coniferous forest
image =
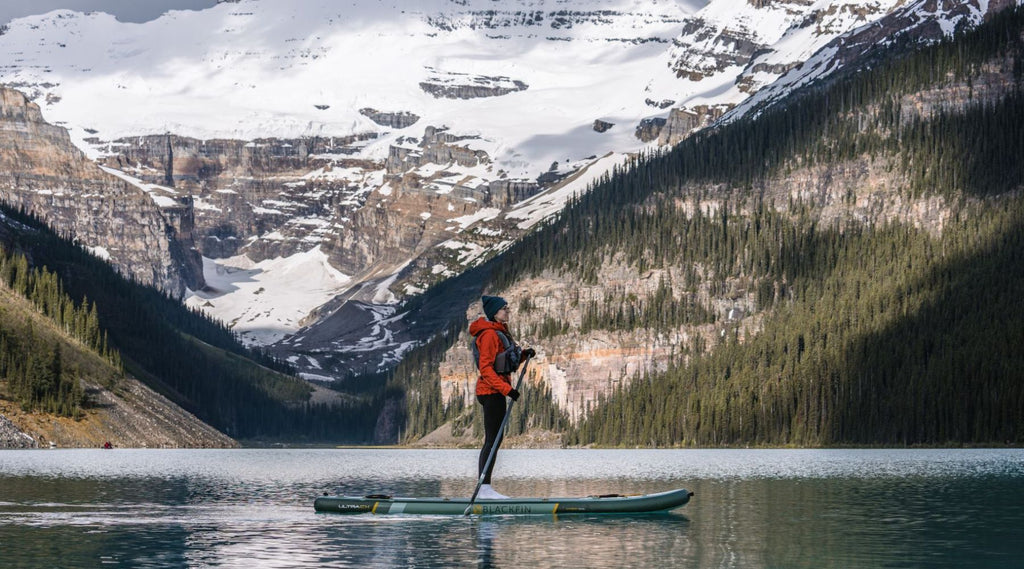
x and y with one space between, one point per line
194 361
875 333
39 380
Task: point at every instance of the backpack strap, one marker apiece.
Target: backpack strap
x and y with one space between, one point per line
506 343
506 340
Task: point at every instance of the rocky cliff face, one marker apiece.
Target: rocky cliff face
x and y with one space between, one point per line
275 198
438 146
578 366
42 171
683 122
241 189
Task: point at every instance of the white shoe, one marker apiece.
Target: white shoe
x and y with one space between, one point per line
489 493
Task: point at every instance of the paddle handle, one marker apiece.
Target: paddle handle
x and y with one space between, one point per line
497 441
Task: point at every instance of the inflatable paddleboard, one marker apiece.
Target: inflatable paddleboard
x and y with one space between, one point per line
606 504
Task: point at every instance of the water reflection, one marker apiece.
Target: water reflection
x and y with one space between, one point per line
609 541
751 509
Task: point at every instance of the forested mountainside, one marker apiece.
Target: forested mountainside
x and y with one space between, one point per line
845 268
132 329
61 382
59 386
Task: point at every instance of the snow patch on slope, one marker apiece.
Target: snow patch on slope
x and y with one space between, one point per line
538 208
263 302
156 192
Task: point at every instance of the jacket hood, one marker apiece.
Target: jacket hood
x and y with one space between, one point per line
481 324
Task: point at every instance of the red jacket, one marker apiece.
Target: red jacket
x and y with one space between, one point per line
489 345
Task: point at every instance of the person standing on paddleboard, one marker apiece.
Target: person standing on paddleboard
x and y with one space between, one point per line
497 357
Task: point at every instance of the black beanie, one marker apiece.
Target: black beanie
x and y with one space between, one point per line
492 304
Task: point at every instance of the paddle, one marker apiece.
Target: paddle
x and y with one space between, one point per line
497 441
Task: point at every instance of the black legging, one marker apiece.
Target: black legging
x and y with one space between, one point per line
494 413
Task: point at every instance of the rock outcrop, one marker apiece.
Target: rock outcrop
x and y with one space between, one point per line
683 122
650 129
465 86
13 437
704 49
400 119
438 146
42 171
662 104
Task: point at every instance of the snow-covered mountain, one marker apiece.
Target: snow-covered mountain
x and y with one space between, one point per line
521 77
342 152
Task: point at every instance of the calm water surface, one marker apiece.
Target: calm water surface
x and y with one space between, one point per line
760 508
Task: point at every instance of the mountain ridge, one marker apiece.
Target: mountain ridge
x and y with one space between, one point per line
447 184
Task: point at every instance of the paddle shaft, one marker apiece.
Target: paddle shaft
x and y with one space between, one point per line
497 441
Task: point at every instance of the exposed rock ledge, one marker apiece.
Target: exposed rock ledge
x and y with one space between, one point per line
13 437
451 85
399 119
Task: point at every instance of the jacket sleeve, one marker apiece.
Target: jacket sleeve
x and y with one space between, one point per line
490 346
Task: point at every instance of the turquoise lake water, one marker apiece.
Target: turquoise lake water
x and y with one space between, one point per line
752 508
